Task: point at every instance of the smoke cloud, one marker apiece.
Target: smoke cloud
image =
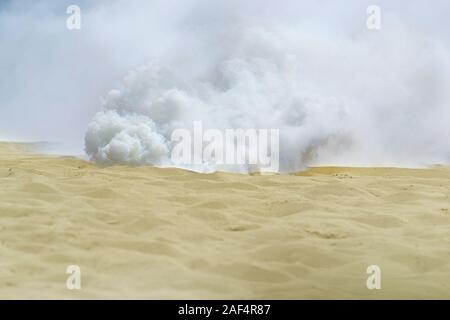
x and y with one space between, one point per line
338 92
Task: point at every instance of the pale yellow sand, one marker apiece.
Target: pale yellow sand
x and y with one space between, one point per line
141 232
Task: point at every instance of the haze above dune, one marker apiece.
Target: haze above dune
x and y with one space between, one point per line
145 232
339 92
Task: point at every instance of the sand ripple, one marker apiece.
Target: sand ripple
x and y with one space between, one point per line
141 232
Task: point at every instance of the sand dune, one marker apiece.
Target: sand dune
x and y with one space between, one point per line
143 232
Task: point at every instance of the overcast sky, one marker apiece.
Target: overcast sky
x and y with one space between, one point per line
52 78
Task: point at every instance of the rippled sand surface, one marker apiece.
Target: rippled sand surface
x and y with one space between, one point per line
142 232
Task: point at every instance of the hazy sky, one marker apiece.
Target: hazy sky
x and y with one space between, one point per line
52 79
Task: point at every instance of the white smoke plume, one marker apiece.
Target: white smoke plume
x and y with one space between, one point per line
338 92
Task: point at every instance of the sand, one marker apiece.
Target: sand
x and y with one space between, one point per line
152 233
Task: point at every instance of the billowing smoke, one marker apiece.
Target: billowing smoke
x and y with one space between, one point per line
338 92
